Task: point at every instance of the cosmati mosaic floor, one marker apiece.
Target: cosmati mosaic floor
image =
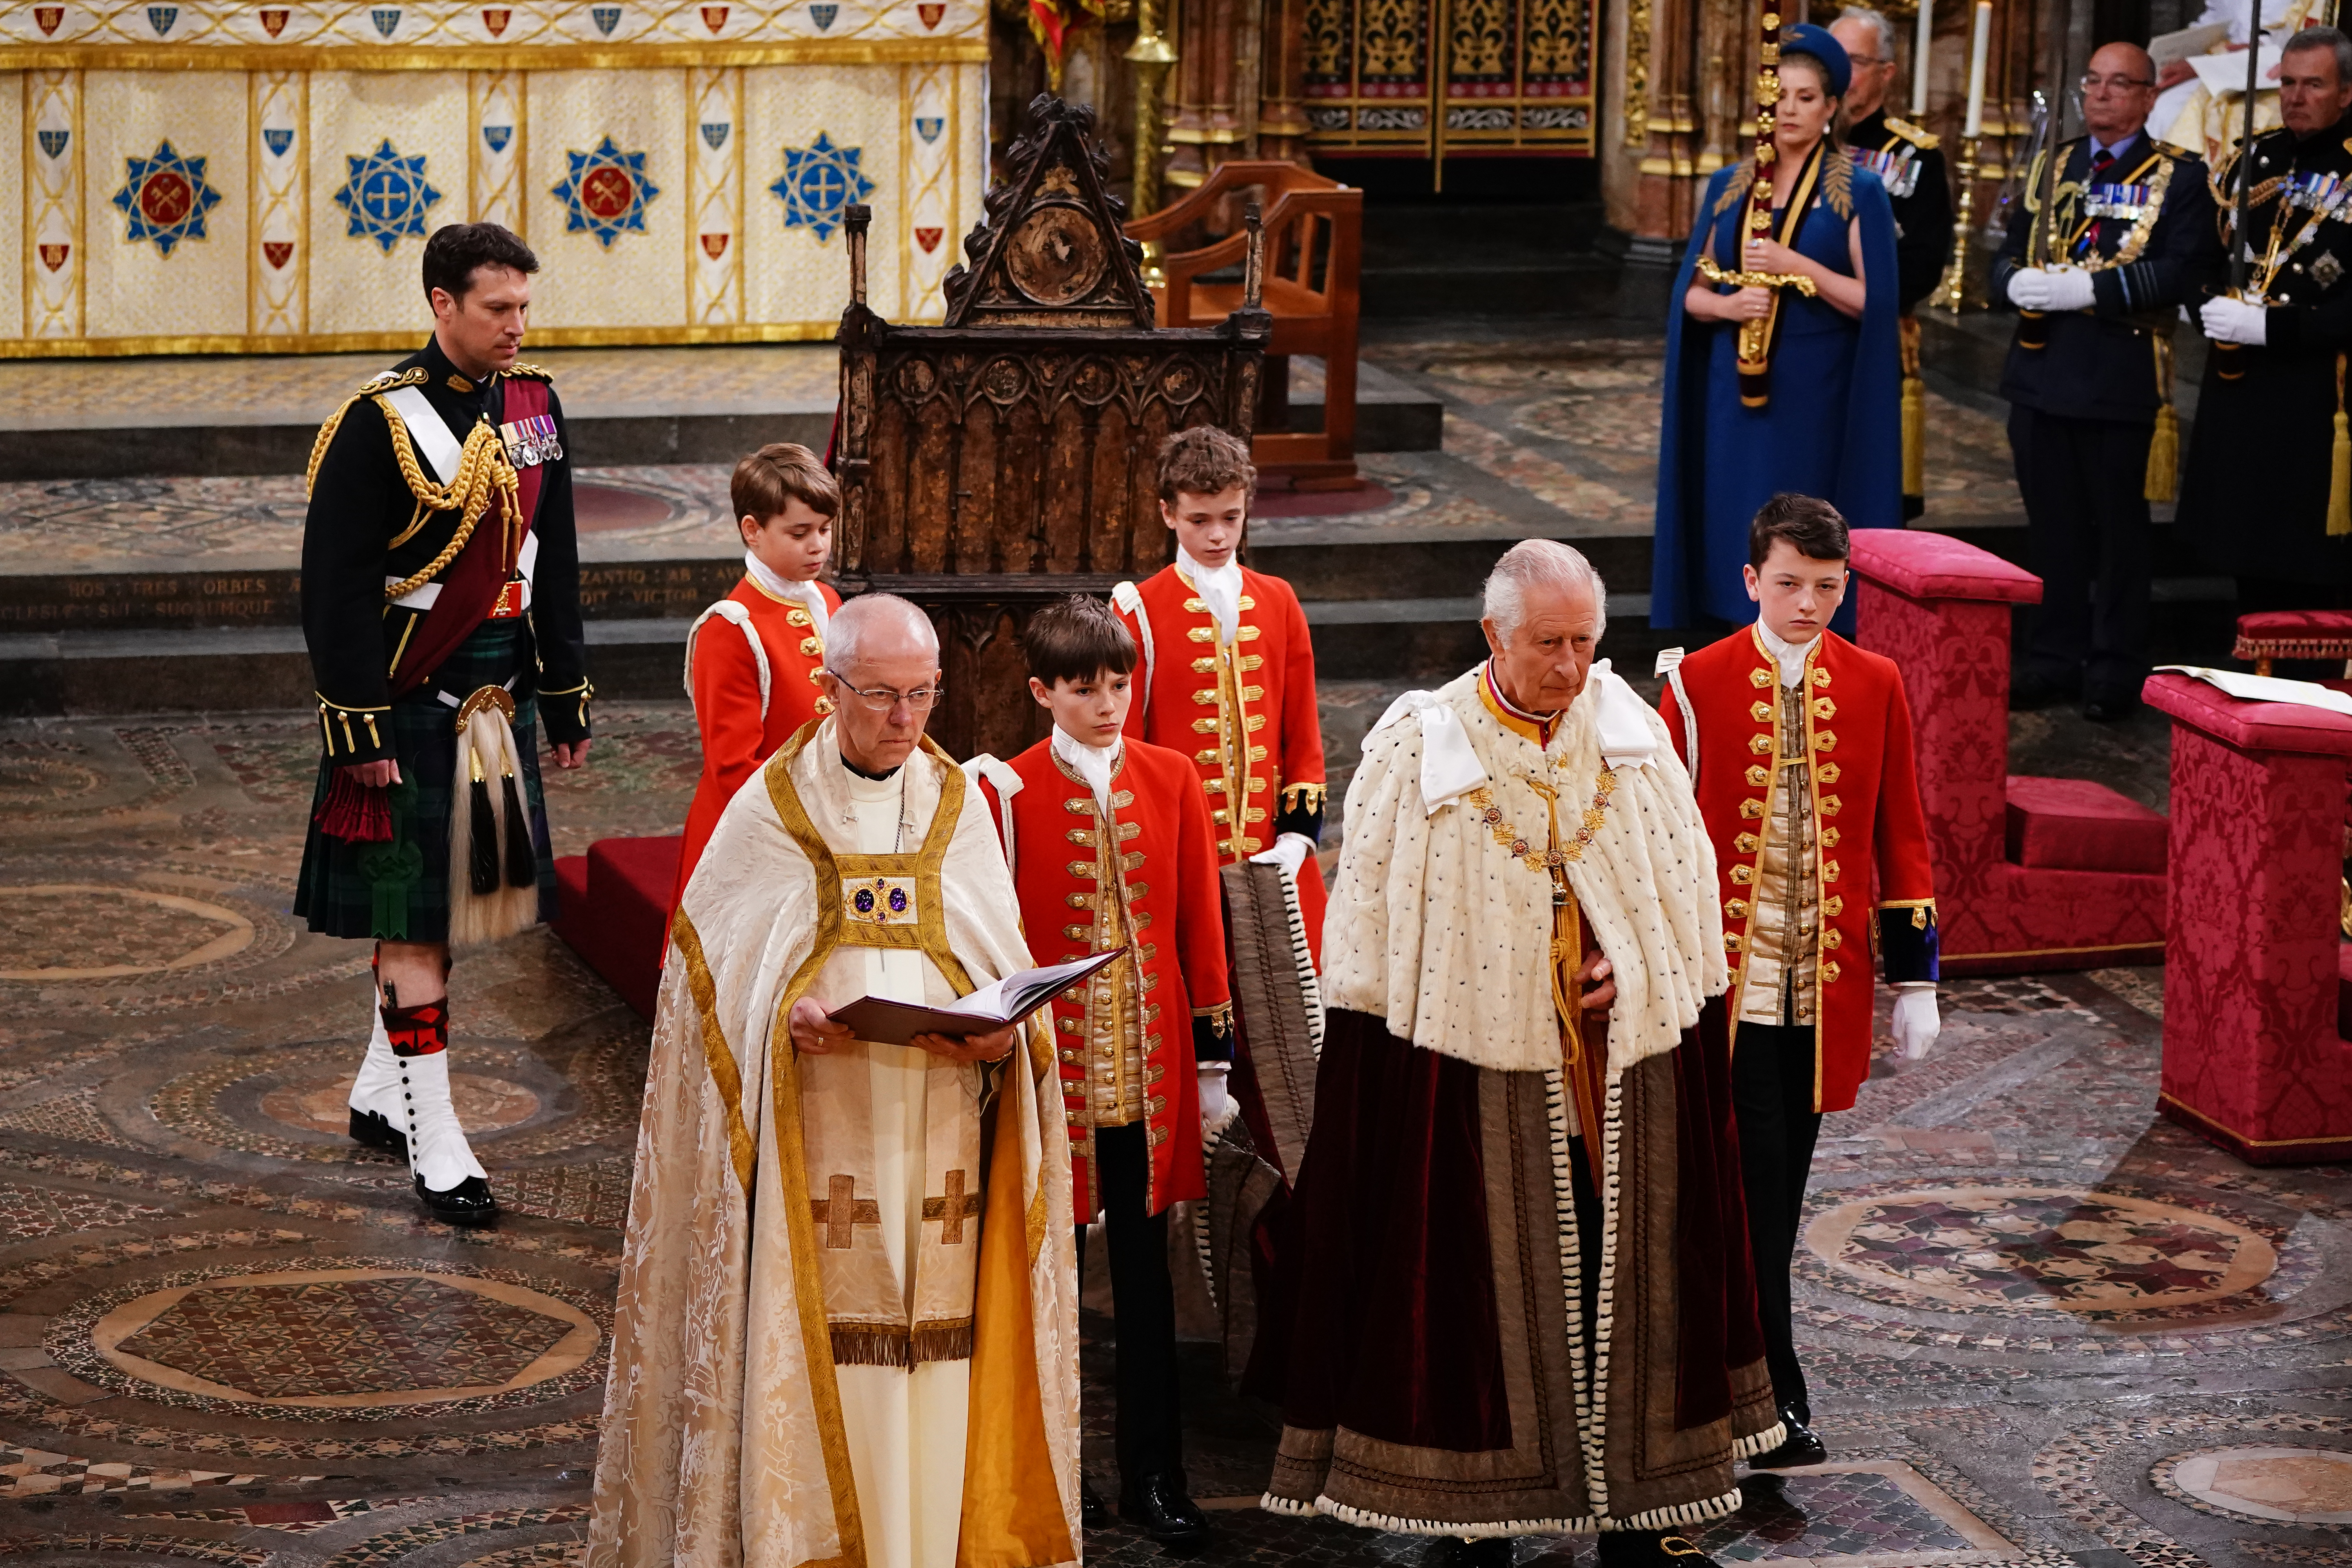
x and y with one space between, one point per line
1555 434
2042 1325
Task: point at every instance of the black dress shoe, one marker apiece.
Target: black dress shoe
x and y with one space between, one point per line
2109 710
1650 1549
1798 1449
1159 1504
1487 1552
1092 1511
467 1203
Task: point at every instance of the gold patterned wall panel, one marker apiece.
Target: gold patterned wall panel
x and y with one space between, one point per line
588 25
607 191
1429 77
812 146
502 124
388 157
49 179
279 200
166 168
714 144
16 131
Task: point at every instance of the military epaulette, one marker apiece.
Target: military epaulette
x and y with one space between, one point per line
412 376
537 372
1926 141
2170 149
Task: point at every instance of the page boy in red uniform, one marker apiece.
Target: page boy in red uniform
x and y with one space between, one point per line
1798 746
753 680
1228 671
1109 843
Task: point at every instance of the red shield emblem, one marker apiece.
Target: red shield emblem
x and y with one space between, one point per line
164 197
714 246
930 13
928 239
273 21
608 192
714 16
53 256
278 253
48 17
496 21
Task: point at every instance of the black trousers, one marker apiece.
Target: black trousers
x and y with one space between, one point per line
1148 1435
1773 1100
2085 483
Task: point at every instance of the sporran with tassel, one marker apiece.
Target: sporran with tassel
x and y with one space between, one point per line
493 867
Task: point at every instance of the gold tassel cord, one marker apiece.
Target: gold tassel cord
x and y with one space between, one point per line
2163 479
2340 468
1914 409
484 475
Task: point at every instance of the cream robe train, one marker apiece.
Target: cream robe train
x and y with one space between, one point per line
790 1370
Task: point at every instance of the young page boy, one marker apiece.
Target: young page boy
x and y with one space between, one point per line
1109 843
755 685
1798 746
1228 671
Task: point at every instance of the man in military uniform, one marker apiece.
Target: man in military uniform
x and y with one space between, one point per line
2266 493
1908 163
2098 265
441 603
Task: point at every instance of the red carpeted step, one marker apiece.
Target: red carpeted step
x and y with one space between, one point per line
2073 824
614 909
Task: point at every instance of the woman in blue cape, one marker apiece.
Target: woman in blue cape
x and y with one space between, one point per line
1832 426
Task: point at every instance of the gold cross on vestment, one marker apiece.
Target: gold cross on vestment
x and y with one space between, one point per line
842 1210
952 1210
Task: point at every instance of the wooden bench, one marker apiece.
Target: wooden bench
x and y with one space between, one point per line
1314 236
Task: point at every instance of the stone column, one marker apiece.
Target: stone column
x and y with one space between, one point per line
2255 1058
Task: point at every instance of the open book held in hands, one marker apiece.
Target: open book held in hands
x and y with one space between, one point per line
883 1022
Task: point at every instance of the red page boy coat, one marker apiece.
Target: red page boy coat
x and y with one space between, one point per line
1152 884
1865 789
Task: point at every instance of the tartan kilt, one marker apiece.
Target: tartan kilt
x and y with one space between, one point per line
334 892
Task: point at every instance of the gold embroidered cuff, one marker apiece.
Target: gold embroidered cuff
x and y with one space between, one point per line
1307 795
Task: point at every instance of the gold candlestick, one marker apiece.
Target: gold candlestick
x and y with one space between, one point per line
1150 55
1951 293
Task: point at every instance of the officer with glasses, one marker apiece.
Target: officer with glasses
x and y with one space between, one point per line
2098 265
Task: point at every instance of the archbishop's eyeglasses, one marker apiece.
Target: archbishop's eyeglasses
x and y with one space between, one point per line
882 699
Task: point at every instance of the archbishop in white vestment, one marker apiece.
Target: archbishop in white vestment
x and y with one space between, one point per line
847 1328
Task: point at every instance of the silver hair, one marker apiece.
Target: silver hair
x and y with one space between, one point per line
849 626
1878 23
1540 564
2333 41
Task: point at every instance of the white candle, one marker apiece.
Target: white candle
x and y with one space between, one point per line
1983 40
1919 60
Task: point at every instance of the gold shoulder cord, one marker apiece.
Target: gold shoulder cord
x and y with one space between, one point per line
484 475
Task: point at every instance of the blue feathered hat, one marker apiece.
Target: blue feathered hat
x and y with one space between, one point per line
1804 38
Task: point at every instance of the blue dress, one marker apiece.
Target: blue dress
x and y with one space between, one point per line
1833 425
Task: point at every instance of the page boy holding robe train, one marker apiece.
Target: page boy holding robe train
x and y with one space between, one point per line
755 686
1228 670
1110 844
1799 746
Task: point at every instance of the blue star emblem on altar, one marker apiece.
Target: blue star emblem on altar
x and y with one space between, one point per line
605 192
819 181
165 197
386 196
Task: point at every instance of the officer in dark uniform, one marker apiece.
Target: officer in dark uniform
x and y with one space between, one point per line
2098 265
2265 464
1909 163
441 603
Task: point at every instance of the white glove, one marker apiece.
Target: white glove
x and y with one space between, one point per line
2235 322
1217 1107
1916 1023
2071 289
1289 852
2029 289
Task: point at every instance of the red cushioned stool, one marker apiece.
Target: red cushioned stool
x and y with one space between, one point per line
612 908
2267 634
2073 824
